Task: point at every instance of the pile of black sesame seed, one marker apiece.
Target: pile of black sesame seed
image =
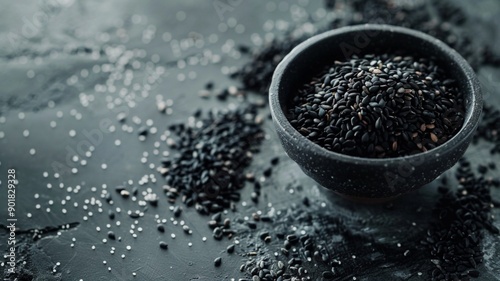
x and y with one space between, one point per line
379 106
211 155
462 216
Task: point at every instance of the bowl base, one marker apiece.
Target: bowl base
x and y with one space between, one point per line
367 200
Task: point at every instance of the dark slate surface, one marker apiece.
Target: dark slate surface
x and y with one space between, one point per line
64 63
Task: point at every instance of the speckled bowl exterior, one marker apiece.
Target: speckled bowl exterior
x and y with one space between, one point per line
369 178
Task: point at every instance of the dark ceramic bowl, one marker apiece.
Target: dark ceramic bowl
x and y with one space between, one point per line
369 178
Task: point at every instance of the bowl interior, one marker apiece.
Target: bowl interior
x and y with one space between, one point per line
313 55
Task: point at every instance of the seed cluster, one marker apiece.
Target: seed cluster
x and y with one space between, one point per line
207 172
379 106
454 240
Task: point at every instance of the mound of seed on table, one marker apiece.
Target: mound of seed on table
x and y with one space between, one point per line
211 154
462 217
379 106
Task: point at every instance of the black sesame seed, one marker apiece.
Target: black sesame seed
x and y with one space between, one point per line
111 235
111 215
275 161
217 261
177 211
474 273
379 116
252 225
160 228
163 245
267 172
230 249
142 131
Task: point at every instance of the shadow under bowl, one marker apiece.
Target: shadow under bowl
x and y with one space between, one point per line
370 179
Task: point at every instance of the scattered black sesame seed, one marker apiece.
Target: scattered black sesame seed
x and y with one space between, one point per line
454 240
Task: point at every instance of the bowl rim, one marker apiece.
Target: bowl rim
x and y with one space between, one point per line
471 119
